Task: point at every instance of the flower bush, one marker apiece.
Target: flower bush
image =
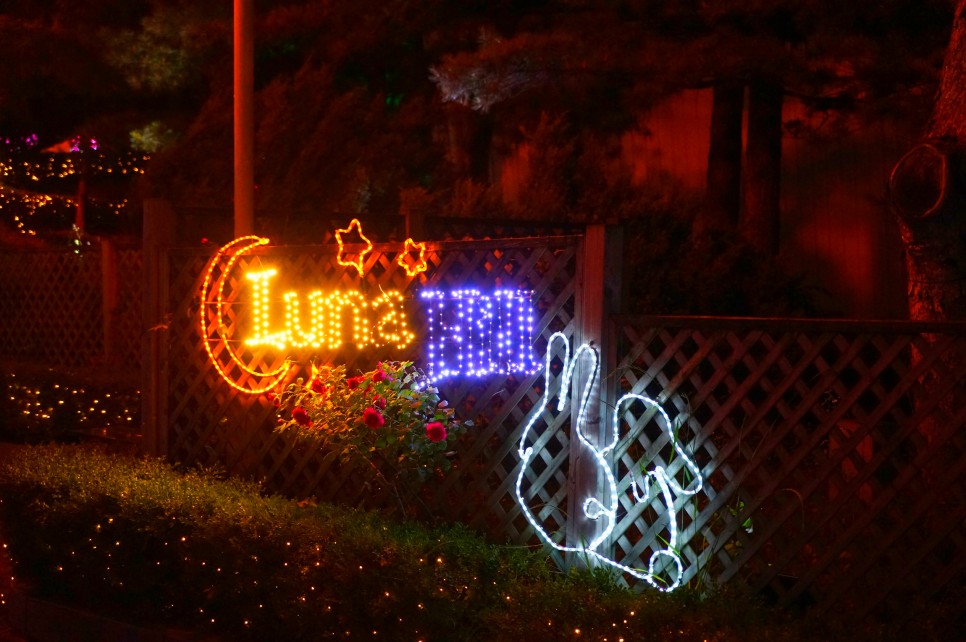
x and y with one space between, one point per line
390 421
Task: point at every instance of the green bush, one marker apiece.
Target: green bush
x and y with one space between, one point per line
134 539
38 405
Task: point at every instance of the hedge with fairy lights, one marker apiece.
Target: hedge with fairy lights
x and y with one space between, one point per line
136 540
40 190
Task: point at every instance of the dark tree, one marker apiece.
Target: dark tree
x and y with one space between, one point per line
723 192
858 58
760 216
928 188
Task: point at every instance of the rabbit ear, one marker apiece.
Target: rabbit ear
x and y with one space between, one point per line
527 452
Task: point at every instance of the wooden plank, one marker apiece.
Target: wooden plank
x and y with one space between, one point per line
805 326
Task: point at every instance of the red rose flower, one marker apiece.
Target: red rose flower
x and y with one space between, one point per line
373 418
379 402
379 375
353 382
317 387
301 417
435 431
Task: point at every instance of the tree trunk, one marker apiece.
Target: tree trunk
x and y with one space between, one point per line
723 196
928 193
763 158
949 116
470 135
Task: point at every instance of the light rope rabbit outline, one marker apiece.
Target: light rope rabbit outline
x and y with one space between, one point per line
592 506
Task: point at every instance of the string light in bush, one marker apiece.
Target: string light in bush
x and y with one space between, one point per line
27 204
23 204
45 406
59 166
593 507
476 334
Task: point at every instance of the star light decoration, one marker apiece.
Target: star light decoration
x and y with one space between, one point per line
412 267
595 508
359 262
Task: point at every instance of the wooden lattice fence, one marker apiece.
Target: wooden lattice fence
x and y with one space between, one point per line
51 307
126 313
832 453
208 422
71 309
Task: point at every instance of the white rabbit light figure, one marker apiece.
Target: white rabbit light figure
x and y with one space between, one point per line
593 507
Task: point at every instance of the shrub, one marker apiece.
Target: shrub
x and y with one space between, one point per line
389 423
134 539
42 404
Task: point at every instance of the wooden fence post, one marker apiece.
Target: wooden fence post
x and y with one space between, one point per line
109 299
598 294
158 234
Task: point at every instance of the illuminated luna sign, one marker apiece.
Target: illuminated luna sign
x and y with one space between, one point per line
375 321
470 333
605 507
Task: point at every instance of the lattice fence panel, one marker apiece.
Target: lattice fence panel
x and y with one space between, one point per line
128 320
212 423
50 308
833 456
480 228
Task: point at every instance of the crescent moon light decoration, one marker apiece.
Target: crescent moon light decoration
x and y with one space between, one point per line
233 251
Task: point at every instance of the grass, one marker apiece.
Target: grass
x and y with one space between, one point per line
133 538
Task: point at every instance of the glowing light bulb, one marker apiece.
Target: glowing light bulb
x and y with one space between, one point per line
476 334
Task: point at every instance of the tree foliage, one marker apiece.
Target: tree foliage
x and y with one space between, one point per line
376 107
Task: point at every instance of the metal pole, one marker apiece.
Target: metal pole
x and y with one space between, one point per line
244 53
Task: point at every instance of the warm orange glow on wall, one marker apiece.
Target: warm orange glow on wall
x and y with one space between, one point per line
359 261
